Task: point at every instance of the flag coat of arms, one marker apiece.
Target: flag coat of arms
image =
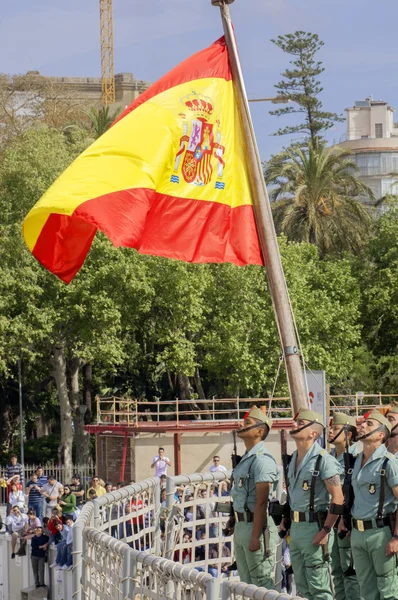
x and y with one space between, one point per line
168 178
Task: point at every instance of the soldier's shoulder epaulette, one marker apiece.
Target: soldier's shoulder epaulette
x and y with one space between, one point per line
389 455
323 452
266 454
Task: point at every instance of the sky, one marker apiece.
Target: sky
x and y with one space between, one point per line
360 52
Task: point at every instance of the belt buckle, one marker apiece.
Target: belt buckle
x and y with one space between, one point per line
296 516
360 525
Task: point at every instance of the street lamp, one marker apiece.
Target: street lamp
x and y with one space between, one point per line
21 432
275 100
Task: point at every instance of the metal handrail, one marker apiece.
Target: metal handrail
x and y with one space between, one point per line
105 567
116 411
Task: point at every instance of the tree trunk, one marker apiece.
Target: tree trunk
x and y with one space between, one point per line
87 391
59 372
185 394
171 384
82 438
198 384
7 428
201 394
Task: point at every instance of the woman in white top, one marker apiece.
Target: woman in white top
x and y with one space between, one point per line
16 498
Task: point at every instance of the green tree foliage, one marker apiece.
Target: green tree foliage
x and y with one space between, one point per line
101 119
316 194
151 327
31 163
302 87
378 274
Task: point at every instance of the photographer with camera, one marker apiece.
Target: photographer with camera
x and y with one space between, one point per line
50 492
35 500
255 477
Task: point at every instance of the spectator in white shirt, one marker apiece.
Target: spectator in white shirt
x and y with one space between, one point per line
160 463
16 522
16 497
50 492
216 467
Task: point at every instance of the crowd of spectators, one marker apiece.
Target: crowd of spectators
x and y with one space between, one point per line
43 511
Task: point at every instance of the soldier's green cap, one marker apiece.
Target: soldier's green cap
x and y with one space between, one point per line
393 409
309 415
257 413
377 416
343 419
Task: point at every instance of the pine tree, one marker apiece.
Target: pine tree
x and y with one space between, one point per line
302 87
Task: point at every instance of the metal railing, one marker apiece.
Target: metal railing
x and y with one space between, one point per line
119 411
144 542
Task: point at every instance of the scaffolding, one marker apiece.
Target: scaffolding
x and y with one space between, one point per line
107 53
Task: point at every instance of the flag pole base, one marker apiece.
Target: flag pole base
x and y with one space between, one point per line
219 2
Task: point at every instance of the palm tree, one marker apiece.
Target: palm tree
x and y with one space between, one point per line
316 197
101 119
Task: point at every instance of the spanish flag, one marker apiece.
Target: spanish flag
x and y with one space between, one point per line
168 178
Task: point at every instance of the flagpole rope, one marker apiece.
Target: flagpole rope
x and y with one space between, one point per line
281 360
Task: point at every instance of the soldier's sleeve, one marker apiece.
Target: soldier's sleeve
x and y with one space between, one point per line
265 469
329 466
392 472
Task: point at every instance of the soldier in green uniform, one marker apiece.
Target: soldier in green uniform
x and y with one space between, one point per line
342 435
254 480
313 476
392 442
374 536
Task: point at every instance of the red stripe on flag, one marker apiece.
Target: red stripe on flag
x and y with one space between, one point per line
63 244
153 223
210 62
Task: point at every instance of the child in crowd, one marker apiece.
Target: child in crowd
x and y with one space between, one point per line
52 523
38 556
92 494
45 526
32 525
16 497
14 479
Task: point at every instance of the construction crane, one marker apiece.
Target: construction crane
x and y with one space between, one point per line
107 66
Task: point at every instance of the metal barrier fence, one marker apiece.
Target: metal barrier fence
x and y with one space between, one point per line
142 542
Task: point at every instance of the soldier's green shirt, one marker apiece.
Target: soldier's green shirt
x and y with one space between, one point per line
353 449
366 484
300 482
256 466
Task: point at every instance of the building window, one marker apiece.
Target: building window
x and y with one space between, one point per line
375 186
379 130
388 186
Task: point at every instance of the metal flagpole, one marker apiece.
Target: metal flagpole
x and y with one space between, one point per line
265 223
22 457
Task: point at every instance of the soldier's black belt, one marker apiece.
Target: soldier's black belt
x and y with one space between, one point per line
371 524
302 517
247 516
